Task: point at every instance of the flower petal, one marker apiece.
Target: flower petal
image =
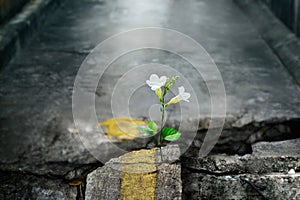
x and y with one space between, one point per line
148 83
155 87
181 90
155 82
154 78
163 79
185 96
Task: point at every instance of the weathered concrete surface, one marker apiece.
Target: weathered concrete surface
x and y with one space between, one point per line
103 183
269 186
107 182
283 42
266 158
260 175
9 8
287 11
18 31
37 129
281 148
239 140
18 186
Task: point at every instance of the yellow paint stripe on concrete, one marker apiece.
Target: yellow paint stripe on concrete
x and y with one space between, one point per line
138 175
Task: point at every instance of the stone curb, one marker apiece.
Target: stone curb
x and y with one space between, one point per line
267 157
16 32
278 37
264 174
10 8
243 186
138 175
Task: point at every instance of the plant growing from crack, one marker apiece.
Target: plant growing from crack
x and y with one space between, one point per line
161 86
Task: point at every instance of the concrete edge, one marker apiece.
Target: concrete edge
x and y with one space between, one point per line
138 173
10 8
16 32
278 37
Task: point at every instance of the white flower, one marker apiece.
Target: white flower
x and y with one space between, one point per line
181 96
155 82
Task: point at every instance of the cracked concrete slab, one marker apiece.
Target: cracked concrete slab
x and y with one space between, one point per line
17 30
246 186
260 175
267 157
18 186
37 127
276 34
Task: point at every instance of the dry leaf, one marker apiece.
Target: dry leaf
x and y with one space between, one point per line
75 183
122 128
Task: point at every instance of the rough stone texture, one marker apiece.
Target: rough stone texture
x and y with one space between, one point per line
37 129
267 157
262 174
18 186
170 153
239 140
246 186
169 184
222 164
105 182
281 148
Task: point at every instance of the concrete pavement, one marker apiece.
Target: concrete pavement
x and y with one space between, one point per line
38 135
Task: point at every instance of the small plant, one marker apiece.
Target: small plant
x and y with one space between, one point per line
161 86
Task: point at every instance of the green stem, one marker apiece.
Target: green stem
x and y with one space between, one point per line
162 121
161 126
163 106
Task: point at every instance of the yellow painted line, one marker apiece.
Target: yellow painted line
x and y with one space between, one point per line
138 175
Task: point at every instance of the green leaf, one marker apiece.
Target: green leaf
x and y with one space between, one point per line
145 130
152 125
170 134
